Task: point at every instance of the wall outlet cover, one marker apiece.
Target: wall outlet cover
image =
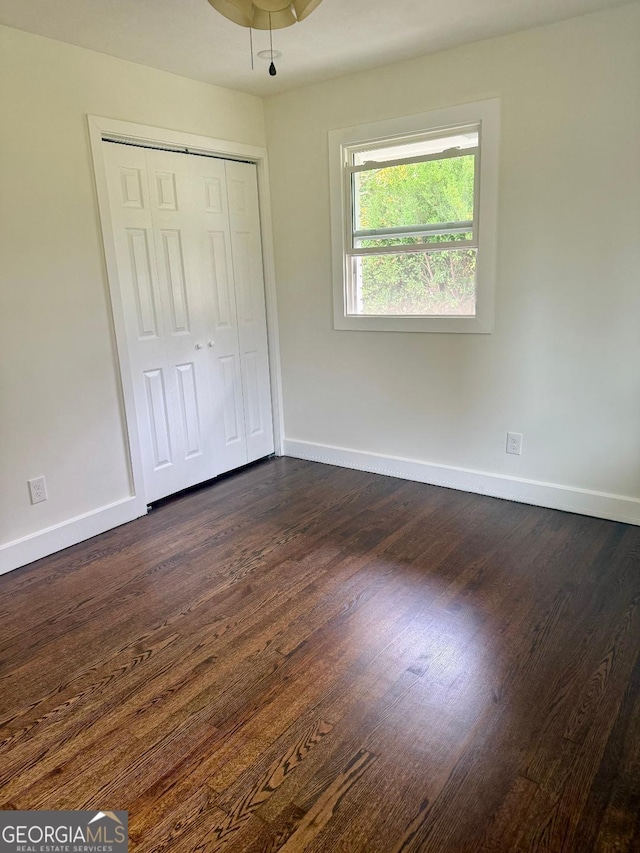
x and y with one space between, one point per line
37 490
514 443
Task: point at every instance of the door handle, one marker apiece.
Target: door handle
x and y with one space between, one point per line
199 346
211 344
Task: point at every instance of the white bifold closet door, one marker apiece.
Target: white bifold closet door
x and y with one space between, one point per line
189 254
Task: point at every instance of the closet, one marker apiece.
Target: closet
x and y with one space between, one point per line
187 242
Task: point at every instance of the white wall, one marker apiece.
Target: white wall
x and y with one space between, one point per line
60 413
563 365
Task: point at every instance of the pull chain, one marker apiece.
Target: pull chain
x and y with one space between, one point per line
251 46
272 67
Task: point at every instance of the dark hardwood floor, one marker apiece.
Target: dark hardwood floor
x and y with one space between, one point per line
306 658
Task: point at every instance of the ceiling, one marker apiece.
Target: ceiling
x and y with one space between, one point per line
188 37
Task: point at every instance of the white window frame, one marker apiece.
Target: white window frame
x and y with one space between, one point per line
342 144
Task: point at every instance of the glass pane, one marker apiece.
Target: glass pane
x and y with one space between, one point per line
415 194
383 242
416 283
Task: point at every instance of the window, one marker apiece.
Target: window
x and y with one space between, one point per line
413 217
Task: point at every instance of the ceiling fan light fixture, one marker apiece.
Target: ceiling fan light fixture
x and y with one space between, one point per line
279 20
265 14
238 11
271 5
303 8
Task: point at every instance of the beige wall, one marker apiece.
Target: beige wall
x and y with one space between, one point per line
563 365
59 398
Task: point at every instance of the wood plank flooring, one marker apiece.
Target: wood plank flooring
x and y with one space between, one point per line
306 658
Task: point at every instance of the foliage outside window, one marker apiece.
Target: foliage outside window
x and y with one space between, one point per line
409 236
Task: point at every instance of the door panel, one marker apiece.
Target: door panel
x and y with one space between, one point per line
231 400
175 230
246 246
144 315
166 191
190 268
208 181
131 183
223 315
212 186
158 417
142 282
252 391
174 275
189 408
243 277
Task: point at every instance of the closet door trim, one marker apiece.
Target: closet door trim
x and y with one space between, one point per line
101 129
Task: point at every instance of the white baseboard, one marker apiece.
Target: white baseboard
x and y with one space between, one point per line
51 539
566 498
582 501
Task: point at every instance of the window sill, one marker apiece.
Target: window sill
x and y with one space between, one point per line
443 325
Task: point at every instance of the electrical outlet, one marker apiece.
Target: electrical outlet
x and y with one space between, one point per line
37 490
514 443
